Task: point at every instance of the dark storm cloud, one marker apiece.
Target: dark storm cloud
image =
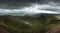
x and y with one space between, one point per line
29 6
58 1
51 9
14 4
9 5
19 3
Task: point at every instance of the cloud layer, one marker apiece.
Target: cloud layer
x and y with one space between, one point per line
34 8
14 4
30 6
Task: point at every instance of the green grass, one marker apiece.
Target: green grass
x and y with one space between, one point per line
28 24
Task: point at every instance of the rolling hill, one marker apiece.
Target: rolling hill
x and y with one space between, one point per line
28 23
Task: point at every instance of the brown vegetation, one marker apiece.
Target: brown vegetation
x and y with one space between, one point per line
55 29
2 30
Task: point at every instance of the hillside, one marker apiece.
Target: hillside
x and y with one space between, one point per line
28 23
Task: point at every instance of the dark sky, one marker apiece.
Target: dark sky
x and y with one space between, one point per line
30 6
13 4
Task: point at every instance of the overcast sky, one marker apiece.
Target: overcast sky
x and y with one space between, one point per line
30 6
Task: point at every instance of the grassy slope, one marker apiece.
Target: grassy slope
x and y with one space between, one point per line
28 24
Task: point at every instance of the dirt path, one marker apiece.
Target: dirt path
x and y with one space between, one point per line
55 29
